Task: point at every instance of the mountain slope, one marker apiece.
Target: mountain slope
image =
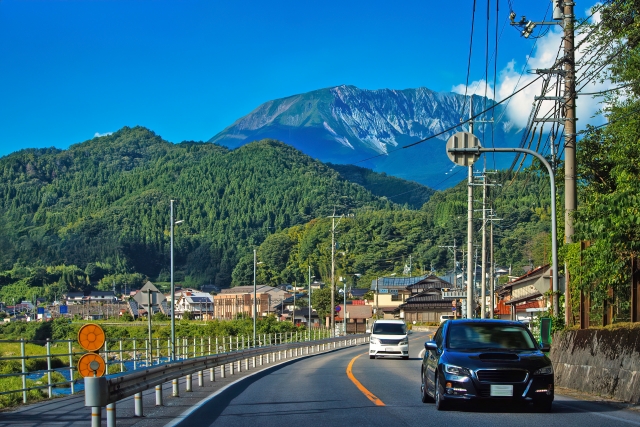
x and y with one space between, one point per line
107 200
347 125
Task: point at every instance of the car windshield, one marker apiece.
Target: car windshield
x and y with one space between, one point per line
389 329
465 336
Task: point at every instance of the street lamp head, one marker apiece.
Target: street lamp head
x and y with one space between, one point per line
178 222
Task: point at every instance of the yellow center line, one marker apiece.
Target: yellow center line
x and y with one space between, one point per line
372 397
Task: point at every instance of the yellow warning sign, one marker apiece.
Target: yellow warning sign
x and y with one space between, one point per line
91 364
91 337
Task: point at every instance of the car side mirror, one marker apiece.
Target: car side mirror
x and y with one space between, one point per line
430 345
545 347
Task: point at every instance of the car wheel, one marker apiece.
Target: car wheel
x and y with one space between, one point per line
440 404
372 357
423 388
543 405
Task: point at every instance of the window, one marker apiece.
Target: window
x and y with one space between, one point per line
477 336
396 297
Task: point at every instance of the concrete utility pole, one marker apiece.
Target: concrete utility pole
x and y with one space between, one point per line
483 279
470 283
333 271
453 248
570 201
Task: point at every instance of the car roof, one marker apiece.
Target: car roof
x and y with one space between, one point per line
485 321
389 321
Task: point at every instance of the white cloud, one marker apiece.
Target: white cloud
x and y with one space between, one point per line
98 134
475 88
510 79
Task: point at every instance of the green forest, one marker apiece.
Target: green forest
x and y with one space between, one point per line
97 216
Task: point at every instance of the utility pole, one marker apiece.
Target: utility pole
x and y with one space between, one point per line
483 279
333 270
453 248
470 283
570 201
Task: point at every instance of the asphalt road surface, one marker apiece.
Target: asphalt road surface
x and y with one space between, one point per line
317 391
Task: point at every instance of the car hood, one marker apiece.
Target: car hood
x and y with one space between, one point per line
528 359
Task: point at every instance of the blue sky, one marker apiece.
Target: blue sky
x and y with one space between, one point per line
187 69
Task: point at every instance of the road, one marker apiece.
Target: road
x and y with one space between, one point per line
316 391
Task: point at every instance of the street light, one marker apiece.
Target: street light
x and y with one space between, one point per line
309 321
255 264
173 290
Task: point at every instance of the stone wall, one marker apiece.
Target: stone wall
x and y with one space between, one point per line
604 362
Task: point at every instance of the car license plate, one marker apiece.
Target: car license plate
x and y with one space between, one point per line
501 390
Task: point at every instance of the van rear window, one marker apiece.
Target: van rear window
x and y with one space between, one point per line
389 329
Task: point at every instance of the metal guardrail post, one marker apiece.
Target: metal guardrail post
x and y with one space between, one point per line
106 358
71 381
231 368
189 384
159 395
96 416
175 388
137 398
111 415
200 379
24 371
49 387
253 361
135 355
222 371
120 356
212 374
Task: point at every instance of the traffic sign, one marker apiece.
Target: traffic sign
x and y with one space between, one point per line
463 140
91 337
91 364
338 308
64 309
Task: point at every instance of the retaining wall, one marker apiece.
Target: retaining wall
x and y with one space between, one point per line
604 362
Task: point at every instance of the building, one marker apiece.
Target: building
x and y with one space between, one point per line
200 305
522 297
428 301
390 293
358 315
233 302
91 296
150 300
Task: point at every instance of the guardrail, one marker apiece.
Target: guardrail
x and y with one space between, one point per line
120 355
105 391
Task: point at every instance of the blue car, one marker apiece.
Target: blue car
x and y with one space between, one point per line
486 360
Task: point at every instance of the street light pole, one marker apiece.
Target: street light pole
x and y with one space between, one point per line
255 260
173 294
173 289
309 321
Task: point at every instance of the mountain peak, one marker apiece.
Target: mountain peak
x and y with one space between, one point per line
345 124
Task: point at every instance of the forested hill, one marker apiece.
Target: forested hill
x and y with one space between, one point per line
380 184
106 202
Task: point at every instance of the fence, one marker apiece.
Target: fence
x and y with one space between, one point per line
120 355
102 391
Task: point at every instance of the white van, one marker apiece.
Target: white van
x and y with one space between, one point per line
389 338
446 317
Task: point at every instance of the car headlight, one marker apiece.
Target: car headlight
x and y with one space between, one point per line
404 342
457 370
547 370
375 341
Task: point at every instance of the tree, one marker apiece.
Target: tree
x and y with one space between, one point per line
321 301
